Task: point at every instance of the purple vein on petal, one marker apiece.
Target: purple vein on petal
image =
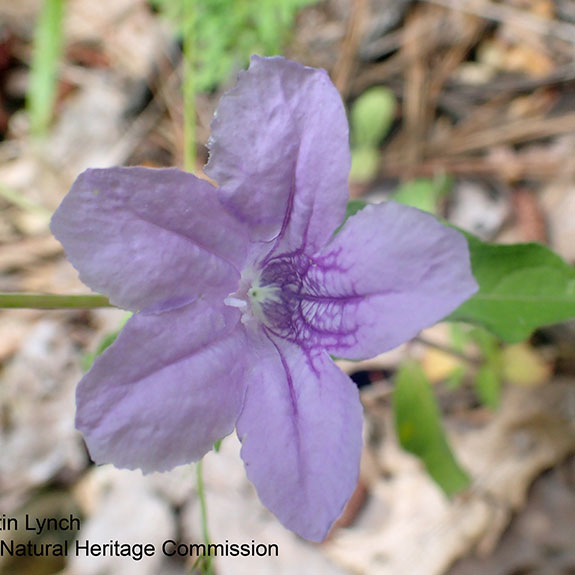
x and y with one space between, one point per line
286 220
295 416
289 378
301 313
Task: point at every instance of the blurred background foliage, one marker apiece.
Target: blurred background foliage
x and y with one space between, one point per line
227 33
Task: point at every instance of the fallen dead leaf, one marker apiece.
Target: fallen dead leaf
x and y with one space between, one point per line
417 530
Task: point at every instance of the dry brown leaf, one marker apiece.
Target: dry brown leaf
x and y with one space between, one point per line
417 531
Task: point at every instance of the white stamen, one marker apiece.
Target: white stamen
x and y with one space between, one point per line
236 302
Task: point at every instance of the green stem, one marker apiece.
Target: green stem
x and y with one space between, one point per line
189 103
207 565
189 87
14 197
52 301
202 498
43 84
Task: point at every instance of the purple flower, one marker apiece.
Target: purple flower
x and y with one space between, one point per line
243 292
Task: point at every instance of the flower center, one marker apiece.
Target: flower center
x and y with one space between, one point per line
269 295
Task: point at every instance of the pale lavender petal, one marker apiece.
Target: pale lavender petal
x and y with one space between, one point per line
149 239
171 385
280 153
390 272
301 436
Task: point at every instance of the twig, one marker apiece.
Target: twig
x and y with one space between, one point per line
474 29
562 74
377 74
467 166
449 350
510 133
507 15
348 50
490 114
416 81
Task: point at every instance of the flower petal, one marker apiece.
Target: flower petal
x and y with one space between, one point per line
169 386
149 239
390 272
280 153
301 436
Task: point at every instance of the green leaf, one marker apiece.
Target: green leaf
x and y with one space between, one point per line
371 117
423 193
104 344
522 287
353 206
488 386
419 429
